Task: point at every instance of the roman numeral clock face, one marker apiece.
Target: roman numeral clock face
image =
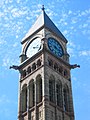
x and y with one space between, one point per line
55 47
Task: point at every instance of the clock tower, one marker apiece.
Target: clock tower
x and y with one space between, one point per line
45 91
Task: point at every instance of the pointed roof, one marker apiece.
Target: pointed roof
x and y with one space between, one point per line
44 21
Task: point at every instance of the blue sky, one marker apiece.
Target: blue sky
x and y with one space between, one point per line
72 17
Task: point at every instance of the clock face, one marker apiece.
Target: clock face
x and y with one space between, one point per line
34 47
55 47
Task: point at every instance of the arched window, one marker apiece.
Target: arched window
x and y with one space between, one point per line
66 98
29 70
52 89
38 63
39 88
31 94
59 93
33 66
24 98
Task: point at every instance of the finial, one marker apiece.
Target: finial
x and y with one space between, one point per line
43 7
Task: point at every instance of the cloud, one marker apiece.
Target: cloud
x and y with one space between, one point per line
2 41
8 61
71 48
16 13
84 53
71 44
74 20
71 52
65 32
16 43
84 13
69 12
15 17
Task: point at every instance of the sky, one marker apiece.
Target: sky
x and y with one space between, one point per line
72 17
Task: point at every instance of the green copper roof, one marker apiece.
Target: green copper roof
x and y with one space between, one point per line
44 21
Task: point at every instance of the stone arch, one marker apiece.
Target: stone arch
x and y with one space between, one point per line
24 98
59 93
66 98
39 88
31 93
52 88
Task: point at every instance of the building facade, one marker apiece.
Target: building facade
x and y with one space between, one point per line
45 91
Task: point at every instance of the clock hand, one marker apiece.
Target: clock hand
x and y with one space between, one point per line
37 47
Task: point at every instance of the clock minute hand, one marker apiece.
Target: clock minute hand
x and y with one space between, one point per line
36 47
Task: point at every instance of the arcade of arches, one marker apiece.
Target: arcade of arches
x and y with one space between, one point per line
58 94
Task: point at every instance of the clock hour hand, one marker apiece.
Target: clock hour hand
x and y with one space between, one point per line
37 47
